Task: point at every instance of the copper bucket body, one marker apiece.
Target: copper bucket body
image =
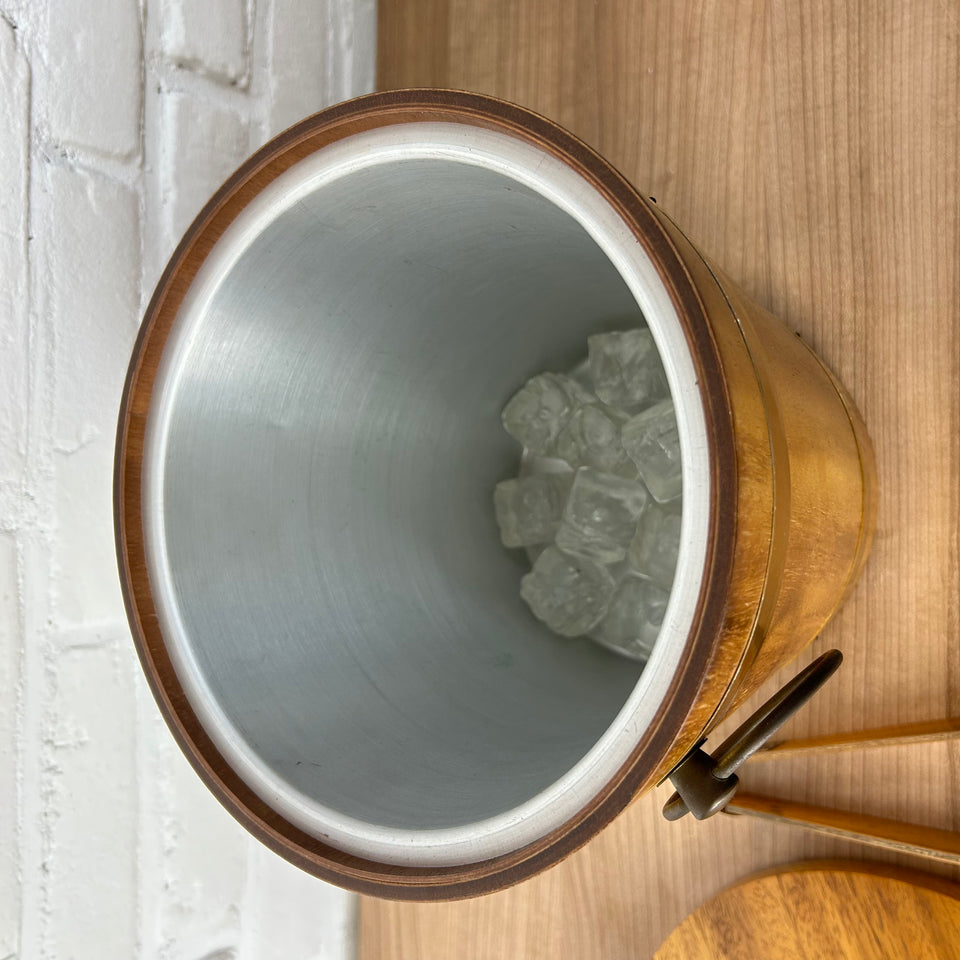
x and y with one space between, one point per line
788 490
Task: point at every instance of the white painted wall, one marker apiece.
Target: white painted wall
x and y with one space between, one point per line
118 118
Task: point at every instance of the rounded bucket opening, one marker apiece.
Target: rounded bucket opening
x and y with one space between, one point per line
323 442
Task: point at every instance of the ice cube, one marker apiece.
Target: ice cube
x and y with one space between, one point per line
654 550
652 442
591 438
529 508
537 413
570 594
600 518
625 369
634 618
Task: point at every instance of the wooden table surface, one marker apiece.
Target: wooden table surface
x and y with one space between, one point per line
813 150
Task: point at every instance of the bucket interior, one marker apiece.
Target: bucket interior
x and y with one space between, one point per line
327 439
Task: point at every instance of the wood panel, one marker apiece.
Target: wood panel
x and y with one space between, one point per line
813 151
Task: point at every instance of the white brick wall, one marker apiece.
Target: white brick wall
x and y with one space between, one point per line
208 37
118 118
90 792
204 138
88 73
88 265
14 161
10 632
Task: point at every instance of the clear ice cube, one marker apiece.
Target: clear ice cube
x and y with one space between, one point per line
634 618
653 552
570 594
600 518
652 442
529 508
625 369
591 438
536 414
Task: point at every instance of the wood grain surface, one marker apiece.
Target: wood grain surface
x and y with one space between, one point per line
812 150
820 910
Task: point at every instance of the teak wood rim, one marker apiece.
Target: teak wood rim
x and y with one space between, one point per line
695 670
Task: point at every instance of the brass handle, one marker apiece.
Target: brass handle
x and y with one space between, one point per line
704 784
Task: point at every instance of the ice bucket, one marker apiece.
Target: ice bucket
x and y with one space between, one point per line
308 444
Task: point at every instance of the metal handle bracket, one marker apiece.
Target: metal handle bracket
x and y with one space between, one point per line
705 784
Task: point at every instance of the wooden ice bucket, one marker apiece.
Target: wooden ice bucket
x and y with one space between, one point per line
307 446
